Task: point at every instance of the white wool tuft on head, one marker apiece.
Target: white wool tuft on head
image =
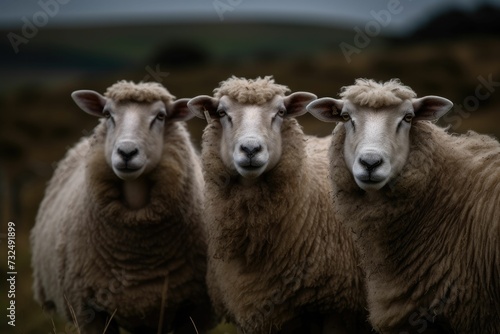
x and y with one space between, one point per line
256 91
369 93
148 92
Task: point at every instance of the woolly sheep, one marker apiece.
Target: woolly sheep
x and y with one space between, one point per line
424 206
121 219
276 258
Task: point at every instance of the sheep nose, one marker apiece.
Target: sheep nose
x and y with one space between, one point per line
127 150
251 148
370 161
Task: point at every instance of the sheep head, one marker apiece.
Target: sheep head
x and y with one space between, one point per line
250 142
135 123
377 119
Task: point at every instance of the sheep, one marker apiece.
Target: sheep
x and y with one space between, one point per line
424 206
120 229
276 258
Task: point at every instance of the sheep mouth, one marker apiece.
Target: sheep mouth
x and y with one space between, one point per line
128 172
369 182
251 167
250 164
370 179
127 166
250 170
128 169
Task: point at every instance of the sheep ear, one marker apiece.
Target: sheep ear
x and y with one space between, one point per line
296 103
430 108
179 111
201 104
89 101
326 109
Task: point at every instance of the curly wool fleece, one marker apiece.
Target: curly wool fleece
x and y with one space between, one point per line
429 239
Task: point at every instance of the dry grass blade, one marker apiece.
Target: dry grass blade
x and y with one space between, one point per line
194 325
73 315
163 304
53 325
49 316
109 321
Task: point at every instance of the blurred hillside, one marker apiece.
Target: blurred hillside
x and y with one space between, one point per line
451 56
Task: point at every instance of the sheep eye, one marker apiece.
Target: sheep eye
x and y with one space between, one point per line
408 118
345 116
221 113
160 116
281 112
106 113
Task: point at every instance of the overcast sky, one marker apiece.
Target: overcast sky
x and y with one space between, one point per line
324 12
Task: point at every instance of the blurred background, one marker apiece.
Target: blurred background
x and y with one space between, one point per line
51 47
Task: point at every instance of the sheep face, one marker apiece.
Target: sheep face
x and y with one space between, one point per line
134 130
377 140
134 139
250 142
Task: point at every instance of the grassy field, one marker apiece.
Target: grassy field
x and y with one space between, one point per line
38 120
